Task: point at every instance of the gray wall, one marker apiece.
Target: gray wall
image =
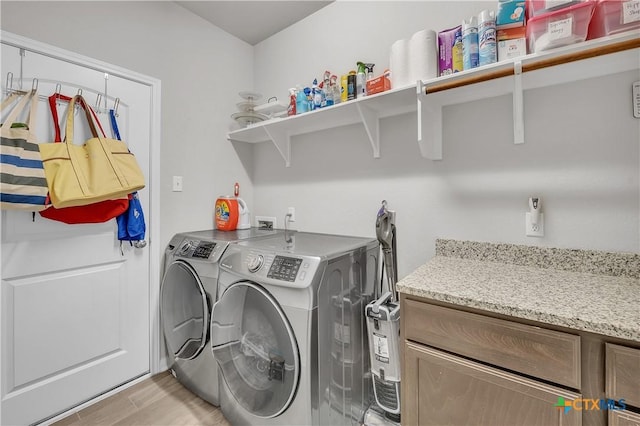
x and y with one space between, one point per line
581 155
202 69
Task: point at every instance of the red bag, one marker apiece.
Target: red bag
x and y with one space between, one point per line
91 213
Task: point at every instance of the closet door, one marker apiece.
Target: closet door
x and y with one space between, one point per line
75 310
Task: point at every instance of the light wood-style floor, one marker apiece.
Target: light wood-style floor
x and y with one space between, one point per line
159 400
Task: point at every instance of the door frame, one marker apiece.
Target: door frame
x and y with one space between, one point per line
152 216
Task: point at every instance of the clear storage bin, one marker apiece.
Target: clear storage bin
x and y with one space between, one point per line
560 27
614 16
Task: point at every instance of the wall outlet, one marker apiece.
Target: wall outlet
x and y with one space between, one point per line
266 222
532 230
291 212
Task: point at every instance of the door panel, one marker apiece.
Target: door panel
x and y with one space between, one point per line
75 310
255 347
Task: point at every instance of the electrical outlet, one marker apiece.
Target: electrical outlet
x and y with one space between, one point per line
266 222
291 212
177 184
532 230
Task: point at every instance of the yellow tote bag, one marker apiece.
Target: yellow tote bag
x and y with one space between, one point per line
101 169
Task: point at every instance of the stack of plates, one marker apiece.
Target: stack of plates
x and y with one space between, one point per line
246 114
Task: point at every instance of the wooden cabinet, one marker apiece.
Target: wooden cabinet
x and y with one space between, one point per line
623 418
467 367
444 389
622 367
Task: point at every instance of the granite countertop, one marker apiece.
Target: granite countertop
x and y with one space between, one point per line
597 292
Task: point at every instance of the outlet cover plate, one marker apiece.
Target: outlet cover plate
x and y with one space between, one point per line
530 230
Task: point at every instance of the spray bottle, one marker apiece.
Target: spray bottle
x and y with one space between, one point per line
328 90
470 56
337 92
369 68
360 81
487 38
301 101
291 109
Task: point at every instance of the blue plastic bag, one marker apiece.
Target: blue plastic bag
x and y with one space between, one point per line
131 225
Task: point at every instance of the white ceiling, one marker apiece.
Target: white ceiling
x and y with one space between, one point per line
253 21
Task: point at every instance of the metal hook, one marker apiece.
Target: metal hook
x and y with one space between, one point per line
58 89
116 104
9 84
34 85
80 92
98 99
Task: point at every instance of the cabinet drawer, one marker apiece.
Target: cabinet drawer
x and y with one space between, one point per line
444 389
535 351
623 373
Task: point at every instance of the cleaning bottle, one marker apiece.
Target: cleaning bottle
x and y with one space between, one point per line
351 85
360 81
302 104
291 109
337 95
470 57
369 68
316 93
487 48
328 90
344 88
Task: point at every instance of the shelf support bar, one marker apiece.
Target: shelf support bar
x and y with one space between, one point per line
371 123
282 140
430 145
518 104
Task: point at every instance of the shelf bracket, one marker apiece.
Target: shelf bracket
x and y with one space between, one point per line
430 145
518 104
371 123
282 140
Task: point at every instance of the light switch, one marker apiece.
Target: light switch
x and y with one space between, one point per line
177 184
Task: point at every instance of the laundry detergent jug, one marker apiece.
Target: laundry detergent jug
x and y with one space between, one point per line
244 220
227 213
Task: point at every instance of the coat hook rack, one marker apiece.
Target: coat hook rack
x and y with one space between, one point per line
98 100
9 83
116 104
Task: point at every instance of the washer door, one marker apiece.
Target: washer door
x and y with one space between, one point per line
256 349
184 311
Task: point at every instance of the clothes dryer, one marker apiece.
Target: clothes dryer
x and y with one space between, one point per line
188 291
289 332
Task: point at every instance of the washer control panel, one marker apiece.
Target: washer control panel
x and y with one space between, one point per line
284 268
271 268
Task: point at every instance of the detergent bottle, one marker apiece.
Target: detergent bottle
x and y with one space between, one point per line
244 219
226 213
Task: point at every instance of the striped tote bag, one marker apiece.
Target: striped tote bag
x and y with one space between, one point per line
23 185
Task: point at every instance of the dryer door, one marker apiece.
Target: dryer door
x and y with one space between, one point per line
184 311
256 349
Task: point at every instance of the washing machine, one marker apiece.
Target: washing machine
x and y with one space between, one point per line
187 294
289 331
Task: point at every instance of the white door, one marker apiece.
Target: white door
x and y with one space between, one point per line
75 310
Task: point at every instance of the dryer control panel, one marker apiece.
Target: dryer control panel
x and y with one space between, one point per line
196 249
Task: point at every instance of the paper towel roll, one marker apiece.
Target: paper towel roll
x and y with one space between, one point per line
399 64
423 56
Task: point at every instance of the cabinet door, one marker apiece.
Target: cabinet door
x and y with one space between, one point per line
623 418
623 373
442 389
